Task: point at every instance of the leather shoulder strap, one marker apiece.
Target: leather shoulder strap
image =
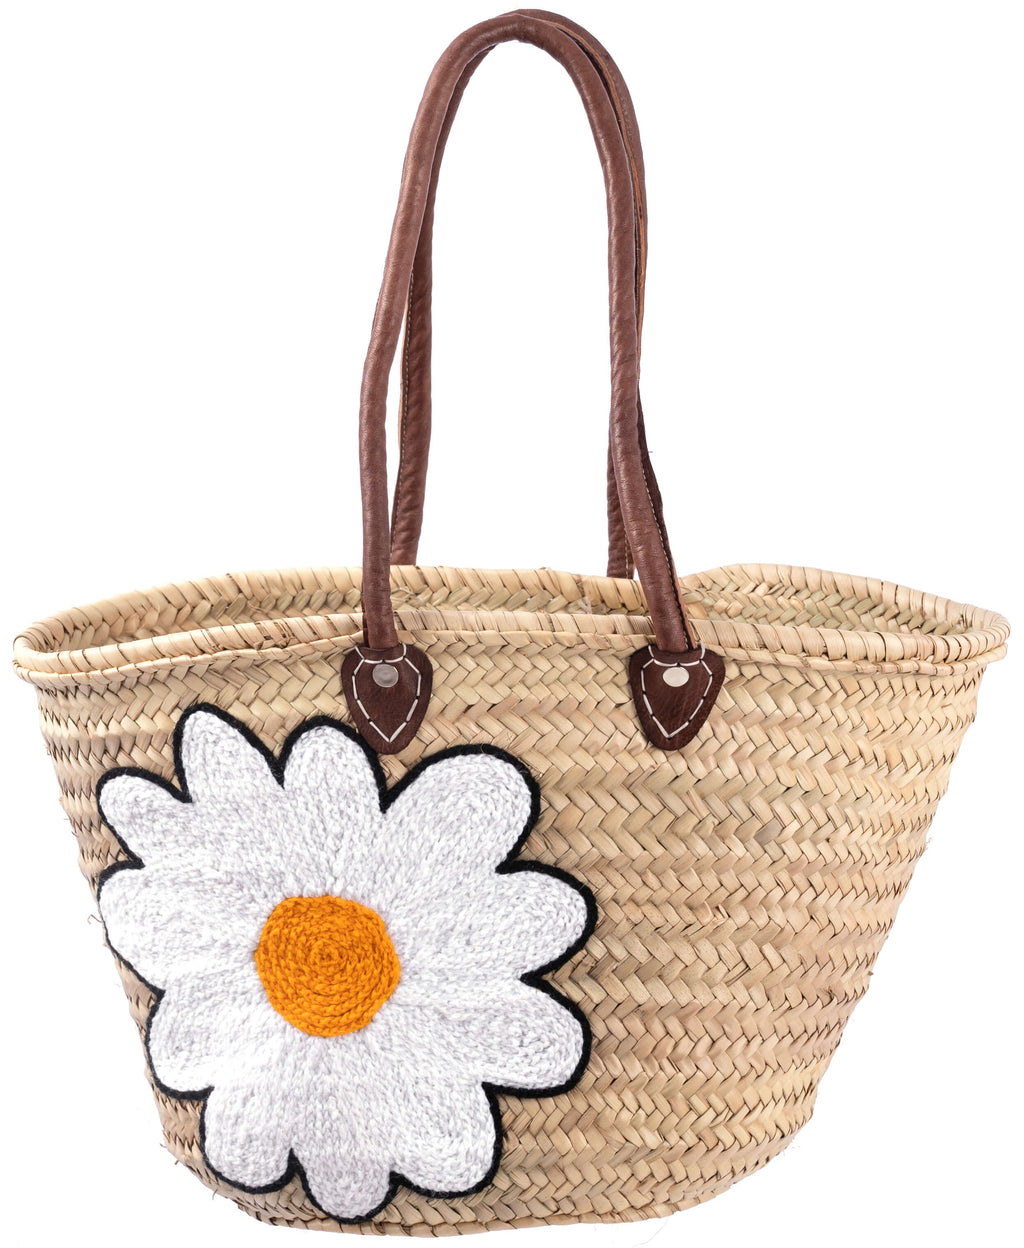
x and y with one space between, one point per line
415 410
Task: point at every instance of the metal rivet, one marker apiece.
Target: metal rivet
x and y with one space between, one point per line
385 675
675 676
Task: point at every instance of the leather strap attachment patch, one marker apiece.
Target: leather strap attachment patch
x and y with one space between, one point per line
387 692
674 693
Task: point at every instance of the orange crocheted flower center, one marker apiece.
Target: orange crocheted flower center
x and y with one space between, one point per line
327 964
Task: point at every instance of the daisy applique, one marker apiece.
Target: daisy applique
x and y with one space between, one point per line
346 975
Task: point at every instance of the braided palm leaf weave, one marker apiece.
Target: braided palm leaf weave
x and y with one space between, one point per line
745 885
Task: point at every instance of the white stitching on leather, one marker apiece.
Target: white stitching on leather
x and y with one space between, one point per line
697 662
415 701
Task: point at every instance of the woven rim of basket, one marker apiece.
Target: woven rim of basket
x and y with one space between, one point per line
755 612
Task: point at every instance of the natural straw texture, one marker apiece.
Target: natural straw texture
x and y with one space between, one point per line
744 886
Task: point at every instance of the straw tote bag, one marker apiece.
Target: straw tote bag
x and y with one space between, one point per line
449 899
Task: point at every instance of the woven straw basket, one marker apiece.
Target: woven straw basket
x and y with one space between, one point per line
743 885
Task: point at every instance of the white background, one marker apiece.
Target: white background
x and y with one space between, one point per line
196 208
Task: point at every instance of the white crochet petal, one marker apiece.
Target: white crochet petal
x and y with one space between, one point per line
509 1034
241 1140
250 833
273 846
221 765
345 1183
333 770
531 1041
412 1107
342 1140
442 1143
257 1110
268 849
503 924
461 816
166 926
213 1028
144 814
335 802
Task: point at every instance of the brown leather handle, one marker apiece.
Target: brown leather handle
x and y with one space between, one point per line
636 489
415 405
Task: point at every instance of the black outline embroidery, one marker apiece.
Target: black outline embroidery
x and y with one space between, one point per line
508 865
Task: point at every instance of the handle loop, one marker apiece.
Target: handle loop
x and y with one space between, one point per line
415 406
390 713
